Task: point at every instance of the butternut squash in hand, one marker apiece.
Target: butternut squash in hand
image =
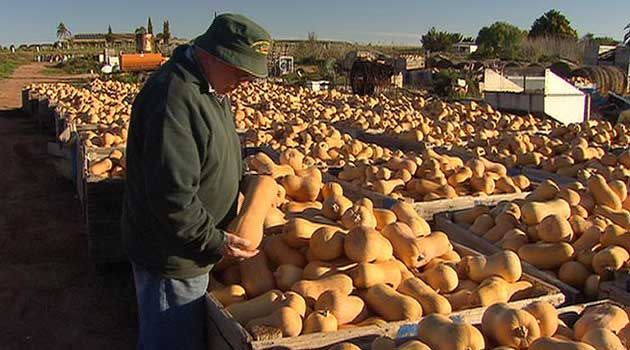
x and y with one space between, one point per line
439 332
510 327
505 264
256 276
364 244
249 223
285 318
391 305
346 308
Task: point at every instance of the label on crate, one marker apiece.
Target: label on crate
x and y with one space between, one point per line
407 331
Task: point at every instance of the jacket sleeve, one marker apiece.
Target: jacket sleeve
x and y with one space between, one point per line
172 161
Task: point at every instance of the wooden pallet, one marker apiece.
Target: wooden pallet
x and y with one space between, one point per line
239 338
463 236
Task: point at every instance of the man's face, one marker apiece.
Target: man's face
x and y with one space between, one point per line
223 77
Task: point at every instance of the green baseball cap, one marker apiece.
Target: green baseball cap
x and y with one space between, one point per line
237 40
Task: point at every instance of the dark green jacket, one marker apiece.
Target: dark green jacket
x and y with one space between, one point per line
183 171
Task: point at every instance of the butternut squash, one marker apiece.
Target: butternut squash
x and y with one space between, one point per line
534 212
588 239
468 216
554 229
285 318
460 176
496 290
510 327
298 231
482 224
546 315
311 290
606 316
366 275
386 187
293 158
101 167
521 181
602 193
230 294
249 223
429 299
391 305
253 308
293 207
546 255
303 188
439 332
327 244
344 346
335 204
512 240
624 336
360 214
615 235
574 274
319 269
231 275
406 213
603 339
484 184
280 253
503 223
364 244
384 217
256 276
274 221
546 191
570 196
320 321
591 286
287 275
415 252
413 345
346 308
504 264
548 343
620 217
609 259
442 278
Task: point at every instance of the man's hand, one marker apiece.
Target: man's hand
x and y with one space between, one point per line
237 248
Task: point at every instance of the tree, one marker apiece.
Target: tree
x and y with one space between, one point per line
109 37
436 40
500 39
149 26
600 40
552 24
140 30
166 32
63 32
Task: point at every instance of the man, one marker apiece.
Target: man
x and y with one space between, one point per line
183 172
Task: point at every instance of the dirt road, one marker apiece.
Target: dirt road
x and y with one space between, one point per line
51 295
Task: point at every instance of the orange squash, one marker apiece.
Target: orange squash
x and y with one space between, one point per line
364 244
249 223
256 276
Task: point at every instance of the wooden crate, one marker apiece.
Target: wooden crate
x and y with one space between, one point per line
539 175
26 101
463 236
427 210
239 338
612 290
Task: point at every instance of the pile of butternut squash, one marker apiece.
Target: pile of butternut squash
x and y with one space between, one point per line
322 144
577 157
111 166
578 233
434 176
106 105
327 262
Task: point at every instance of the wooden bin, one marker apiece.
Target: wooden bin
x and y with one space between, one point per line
427 210
239 338
26 101
612 290
463 236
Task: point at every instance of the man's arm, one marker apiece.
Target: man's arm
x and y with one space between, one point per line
172 164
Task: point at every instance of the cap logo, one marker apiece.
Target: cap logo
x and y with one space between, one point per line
262 47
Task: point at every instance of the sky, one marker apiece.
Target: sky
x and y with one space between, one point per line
375 21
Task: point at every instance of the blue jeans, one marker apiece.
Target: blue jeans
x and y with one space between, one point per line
171 312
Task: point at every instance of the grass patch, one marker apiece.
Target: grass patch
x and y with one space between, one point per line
10 62
79 65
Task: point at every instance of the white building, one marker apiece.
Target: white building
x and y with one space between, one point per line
465 47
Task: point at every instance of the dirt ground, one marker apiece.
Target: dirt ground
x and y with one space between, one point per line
51 295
